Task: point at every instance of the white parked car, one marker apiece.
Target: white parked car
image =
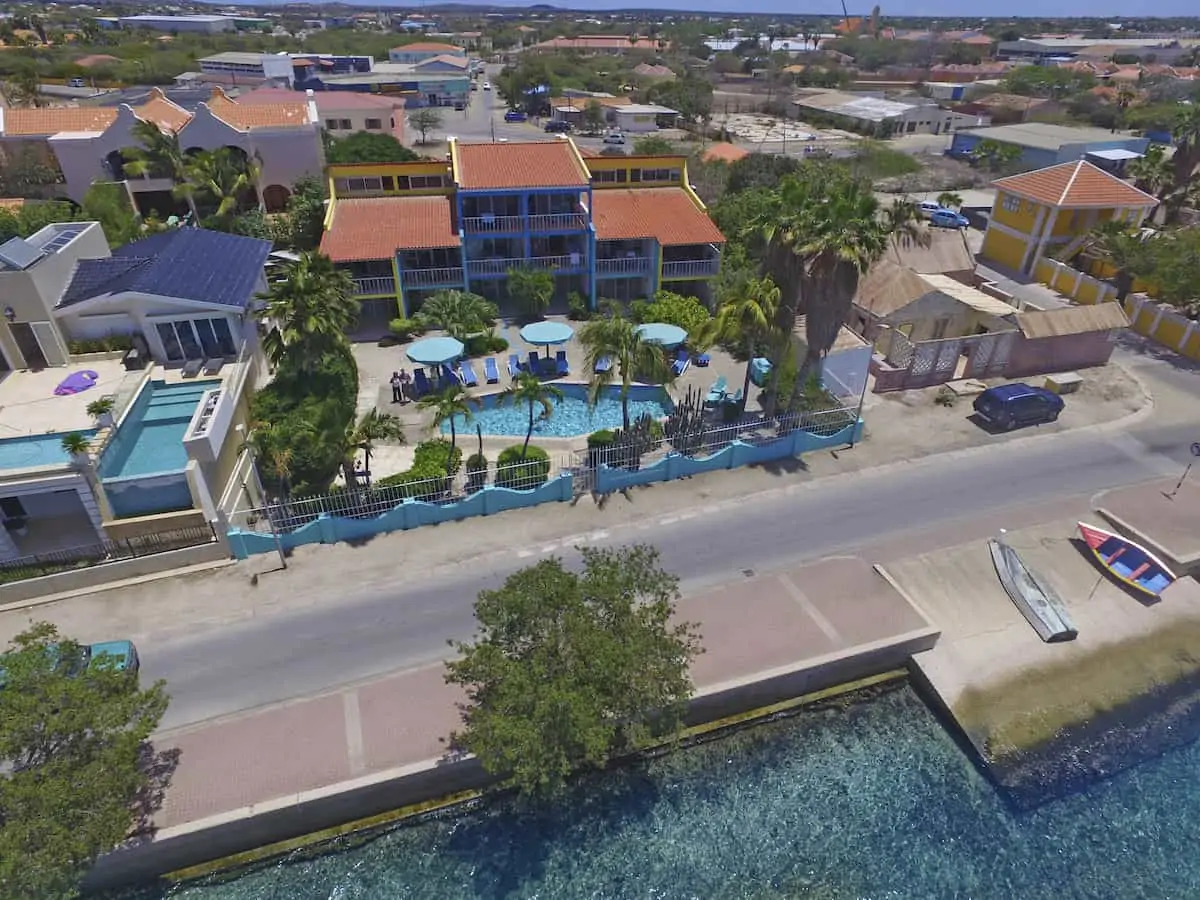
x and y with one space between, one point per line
614 137
487 85
927 208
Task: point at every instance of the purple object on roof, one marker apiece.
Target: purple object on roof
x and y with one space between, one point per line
77 382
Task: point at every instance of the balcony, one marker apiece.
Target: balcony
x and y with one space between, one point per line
375 286
489 224
422 278
627 265
558 222
501 266
691 268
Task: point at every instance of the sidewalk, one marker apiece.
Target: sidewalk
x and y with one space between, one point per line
837 616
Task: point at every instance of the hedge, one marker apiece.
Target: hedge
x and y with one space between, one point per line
522 474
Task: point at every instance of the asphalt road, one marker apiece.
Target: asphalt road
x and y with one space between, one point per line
364 633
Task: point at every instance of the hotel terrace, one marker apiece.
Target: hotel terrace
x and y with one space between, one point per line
607 227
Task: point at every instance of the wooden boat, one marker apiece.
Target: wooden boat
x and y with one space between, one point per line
1038 602
1127 561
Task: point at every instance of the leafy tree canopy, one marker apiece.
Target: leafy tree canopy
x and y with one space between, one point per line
76 774
367 147
653 145
675 309
569 669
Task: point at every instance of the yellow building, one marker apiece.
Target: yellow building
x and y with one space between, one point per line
1038 214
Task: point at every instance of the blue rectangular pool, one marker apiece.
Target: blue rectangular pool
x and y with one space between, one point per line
150 439
572 415
35 450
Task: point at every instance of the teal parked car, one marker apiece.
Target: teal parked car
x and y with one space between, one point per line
120 655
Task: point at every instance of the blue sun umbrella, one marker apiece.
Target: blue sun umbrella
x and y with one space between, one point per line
669 336
547 333
435 351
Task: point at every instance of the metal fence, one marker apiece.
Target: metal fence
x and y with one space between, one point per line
38 564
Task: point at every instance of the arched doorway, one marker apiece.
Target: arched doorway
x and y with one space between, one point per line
275 198
114 165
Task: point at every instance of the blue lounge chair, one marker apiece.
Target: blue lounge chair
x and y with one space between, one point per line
560 363
716 393
490 372
535 363
514 365
703 360
420 382
448 376
467 374
682 360
603 364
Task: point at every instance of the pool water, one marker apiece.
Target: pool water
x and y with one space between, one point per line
572 415
36 450
150 439
871 800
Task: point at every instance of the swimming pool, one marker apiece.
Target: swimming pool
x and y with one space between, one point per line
35 450
572 414
150 439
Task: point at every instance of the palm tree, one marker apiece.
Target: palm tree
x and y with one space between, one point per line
308 312
373 426
903 222
448 405
161 153
272 451
223 175
459 313
1152 173
746 317
23 88
950 200
822 233
1124 249
618 339
527 388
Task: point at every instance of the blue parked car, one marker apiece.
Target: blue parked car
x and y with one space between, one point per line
1010 405
515 115
948 218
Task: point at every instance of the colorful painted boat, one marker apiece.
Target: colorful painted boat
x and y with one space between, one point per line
1127 561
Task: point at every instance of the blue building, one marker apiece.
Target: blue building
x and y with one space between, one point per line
1043 144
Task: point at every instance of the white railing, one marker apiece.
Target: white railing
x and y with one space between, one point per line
558 222
432 277
492 224
691 268
629 265
375 285
501 266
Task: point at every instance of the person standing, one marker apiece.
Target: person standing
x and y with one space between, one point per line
397 384
405 386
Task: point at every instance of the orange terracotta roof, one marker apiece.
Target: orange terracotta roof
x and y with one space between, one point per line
725 152
57 119
376 227
428 47
666 214
1075 184
162 112
258 115
532 164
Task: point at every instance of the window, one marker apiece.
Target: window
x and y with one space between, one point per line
389 182
374 124
421 182
612 176
196 339
345 124
331 124
358 185
1012 204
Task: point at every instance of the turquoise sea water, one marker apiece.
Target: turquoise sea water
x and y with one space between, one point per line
870 801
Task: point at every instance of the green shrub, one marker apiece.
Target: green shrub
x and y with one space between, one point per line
482 344
602 438
477 471
415 484
405 329
577 307
435 455
495 343
107 344
522 474
639 312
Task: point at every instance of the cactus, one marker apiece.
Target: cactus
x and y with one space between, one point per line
632 443
686 428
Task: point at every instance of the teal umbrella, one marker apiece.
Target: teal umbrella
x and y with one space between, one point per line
435 351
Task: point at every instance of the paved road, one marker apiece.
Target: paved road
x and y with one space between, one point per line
362 633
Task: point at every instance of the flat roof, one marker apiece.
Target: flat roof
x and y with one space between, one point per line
875 109
1048 136
1115 155
236 56
29 406
392 77
644 109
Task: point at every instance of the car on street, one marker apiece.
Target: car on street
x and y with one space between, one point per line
487 85
614 137
76 83
515 115
122 656
948 218
557 126
928 207
1011 405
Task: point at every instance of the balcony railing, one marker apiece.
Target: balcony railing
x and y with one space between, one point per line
492 224
432 277
365 287
628 265
558 222
501 266
691 268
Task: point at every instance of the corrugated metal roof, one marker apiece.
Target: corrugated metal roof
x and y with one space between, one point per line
887 287
665 214
972 297
376 227
1072 320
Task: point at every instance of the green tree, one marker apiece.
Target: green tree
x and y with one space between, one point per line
425 120
108 203
26 172
1186 133
1177 269
531 289
823 233
223 177
1124 249
23 88
372 427
747 319
653 145
529 390
1152 172
306 214
950 200
617 339
308 313
687 313
160 156
367 147
568 669
458 313
593 117
449 405
77 775
995 156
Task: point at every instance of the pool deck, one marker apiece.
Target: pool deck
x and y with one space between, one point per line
29 406
277 771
